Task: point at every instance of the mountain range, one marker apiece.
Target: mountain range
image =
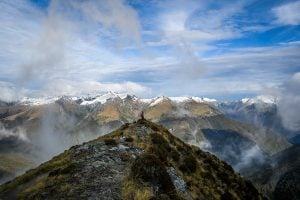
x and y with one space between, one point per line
261 111
34 130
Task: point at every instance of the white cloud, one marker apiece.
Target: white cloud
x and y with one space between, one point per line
67 87
250 156
189 30
65 44
60 87
288 14
194 21
239 71
18 133
175 21
7 94
95 41
112 15
289 103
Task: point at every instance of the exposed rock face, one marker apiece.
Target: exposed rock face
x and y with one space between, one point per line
141 160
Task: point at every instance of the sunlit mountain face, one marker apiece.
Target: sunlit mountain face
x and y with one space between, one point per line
220 76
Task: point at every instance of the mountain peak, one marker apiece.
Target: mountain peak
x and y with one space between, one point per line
102 98
266 99
141 160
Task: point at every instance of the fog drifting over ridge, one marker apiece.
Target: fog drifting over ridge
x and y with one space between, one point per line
289 103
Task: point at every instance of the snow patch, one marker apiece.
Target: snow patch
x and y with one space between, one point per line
146 100
158 100
245 100
179 99
38 101
91 99
86 100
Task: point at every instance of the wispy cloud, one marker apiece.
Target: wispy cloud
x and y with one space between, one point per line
74 88
288 14
197 22
41 48
109 45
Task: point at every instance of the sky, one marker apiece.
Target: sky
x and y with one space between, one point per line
226 50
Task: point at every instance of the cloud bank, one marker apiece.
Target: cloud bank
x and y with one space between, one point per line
289 103
221 49
288 14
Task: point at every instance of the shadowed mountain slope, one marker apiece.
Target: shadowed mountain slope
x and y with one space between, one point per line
282 180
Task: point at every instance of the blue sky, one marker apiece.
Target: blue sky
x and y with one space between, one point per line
220 49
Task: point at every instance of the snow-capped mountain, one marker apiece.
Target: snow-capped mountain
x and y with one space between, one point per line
90 99
103 98
180 99
82 100
265 99
261 111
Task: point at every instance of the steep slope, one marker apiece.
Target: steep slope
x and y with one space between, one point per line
141 160
12 165
36 132
241 145
281 181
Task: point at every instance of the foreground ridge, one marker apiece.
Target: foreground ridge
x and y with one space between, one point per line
141 160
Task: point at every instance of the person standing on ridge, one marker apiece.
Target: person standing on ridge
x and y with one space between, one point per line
142 115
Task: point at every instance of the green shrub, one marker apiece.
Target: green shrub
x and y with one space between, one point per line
66 170
189 164
154 128
175 155
227 196
125 156
148 168
161 147
110 141
158 139
183 150
128 139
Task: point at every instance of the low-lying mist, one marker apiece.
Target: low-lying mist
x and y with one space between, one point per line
60 131
56 131
17 133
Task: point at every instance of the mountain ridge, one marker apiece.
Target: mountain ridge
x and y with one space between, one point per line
141 160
